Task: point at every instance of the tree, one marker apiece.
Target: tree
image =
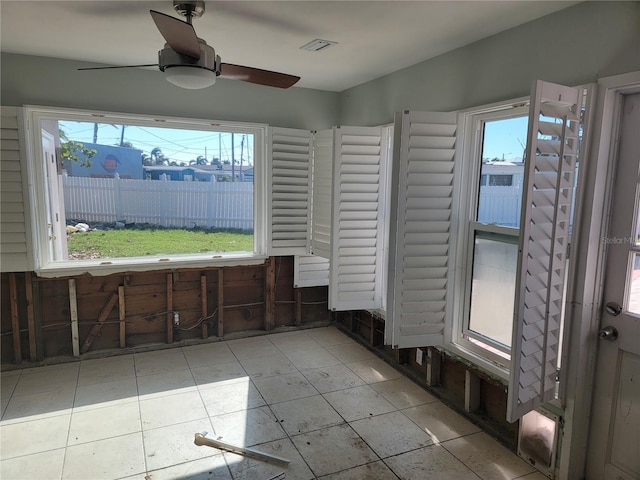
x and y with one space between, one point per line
75 151
158 157
201 160
146 159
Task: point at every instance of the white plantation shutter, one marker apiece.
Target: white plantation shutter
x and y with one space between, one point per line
552 149
421 202
310 271
321 192
357 230
289 187
15 255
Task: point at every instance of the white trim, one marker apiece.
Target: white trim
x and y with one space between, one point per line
587 294
44 266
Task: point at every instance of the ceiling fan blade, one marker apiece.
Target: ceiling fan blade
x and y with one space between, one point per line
180 35
257 75
120 66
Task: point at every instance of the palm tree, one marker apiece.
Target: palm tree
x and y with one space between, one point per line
158 157
201 160
146 159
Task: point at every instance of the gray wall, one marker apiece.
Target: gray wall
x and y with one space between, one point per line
30 80
574 46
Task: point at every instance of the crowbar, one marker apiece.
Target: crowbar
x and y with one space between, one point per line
203 439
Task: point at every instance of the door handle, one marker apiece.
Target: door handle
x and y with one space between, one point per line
608 333
613 309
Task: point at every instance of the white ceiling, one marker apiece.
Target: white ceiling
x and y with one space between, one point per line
374 37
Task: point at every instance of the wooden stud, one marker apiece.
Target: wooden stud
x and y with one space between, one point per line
169 308
203 306
37 320
220 303
433 367
471 392
122 317
269 294
73 313
93 333
402 355
31 320
298 298
15 320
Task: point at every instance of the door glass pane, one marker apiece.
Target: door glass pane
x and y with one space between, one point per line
634 286
502 172
495 258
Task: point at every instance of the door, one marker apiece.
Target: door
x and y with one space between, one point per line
55 213
614 444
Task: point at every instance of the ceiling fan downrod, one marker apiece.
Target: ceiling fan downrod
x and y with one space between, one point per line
189 8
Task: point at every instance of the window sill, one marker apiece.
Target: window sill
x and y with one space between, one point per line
140 264
492 369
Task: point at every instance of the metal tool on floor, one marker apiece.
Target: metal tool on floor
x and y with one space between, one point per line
202 439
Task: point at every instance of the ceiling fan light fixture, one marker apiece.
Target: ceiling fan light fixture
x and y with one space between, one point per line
189 77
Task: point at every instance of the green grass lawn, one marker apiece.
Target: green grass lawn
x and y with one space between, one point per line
139 243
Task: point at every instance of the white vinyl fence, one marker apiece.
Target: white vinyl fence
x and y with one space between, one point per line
223 205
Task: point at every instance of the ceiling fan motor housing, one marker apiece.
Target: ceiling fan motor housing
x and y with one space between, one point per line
208 60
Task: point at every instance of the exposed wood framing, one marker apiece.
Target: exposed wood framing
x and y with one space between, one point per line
298 297
37 319
433 367
169 308
269 295
203 306
471 391
122 317
73 313
15 320
31 319
95 330
220 303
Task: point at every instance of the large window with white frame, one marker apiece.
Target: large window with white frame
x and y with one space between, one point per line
114 192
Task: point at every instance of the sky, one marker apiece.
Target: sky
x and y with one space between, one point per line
503 139
178 145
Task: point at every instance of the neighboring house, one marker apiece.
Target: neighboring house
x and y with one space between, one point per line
108 161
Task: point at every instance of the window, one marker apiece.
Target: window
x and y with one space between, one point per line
495 201
118 191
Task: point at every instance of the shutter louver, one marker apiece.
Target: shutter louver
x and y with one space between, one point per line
422 194
357 233
289 186
310 271
322 182
554 122
15 252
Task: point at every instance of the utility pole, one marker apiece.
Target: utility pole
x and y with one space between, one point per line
233 160
241 153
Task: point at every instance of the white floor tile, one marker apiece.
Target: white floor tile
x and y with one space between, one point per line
102 370
47 379
327 336
294 342
314 358
8 381
391 434
429 463
350 352
333 449
233 397
247 427
23 408
105 459
172 445
36 436
358 402
256 347
285 387
161 361
374 371
306 414
440 422
370 471
105 394
244 468
208 354
171 409
41 466
100 423
332 378
161 384
215 375
269 366
487 458
403 393
210 468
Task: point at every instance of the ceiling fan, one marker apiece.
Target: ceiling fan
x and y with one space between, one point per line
189 62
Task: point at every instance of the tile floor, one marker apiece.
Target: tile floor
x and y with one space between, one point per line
315 397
